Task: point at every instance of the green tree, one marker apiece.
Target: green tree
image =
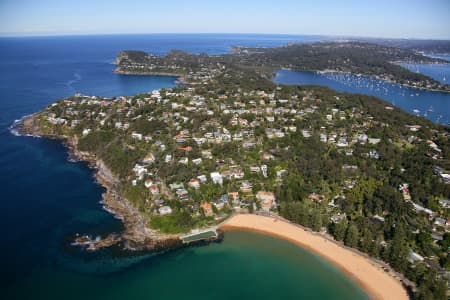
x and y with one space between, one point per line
316 221
431 287
340 229
250 207
398 250
366 242
375 249
445 243
352 236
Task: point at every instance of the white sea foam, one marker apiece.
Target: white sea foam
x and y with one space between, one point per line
14 128
76 77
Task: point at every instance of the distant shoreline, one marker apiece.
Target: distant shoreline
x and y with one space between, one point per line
179 78
365 272
368 76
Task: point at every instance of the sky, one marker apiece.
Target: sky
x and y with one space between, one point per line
378 18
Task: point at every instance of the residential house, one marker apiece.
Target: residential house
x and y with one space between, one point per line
216 178
176 186
267 200
207 208
136 136
404 188
149 159
234 196
165 210
444 203
414 257
184 160
194 183
246 186
202 178
148 183
182 194
316 197
337 218
440 222
197 161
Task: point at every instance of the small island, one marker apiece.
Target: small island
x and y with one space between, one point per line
176 163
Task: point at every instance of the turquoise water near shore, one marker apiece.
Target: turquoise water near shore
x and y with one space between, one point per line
45 199
245 265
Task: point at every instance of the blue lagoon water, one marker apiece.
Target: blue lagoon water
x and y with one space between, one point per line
46 199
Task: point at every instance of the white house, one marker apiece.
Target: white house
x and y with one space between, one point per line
216 178
165 210
194 183
148 183
184 160
136 136
202 178
414 257
444 203
197 161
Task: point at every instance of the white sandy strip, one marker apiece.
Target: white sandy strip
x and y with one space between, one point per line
377 283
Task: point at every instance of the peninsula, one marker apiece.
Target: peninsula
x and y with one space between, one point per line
177 162
373 60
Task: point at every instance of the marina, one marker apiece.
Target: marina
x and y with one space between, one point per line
432 105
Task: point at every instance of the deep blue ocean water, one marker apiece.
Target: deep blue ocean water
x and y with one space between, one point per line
46 199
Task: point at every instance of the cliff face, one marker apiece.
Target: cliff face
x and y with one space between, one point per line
120 57
131 56
136 235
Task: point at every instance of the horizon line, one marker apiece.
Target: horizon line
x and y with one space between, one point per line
30 35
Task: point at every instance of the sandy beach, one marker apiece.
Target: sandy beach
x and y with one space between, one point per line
377 283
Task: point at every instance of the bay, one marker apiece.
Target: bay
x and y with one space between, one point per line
432 105
245 265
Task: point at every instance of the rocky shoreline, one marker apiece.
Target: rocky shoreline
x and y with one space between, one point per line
374 77
181 79
136 235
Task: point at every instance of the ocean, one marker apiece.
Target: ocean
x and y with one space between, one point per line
46 198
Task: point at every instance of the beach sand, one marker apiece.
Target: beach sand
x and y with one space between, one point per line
377 283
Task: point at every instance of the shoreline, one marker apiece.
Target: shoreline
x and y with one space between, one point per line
362 270
370 77
135 235
180 79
